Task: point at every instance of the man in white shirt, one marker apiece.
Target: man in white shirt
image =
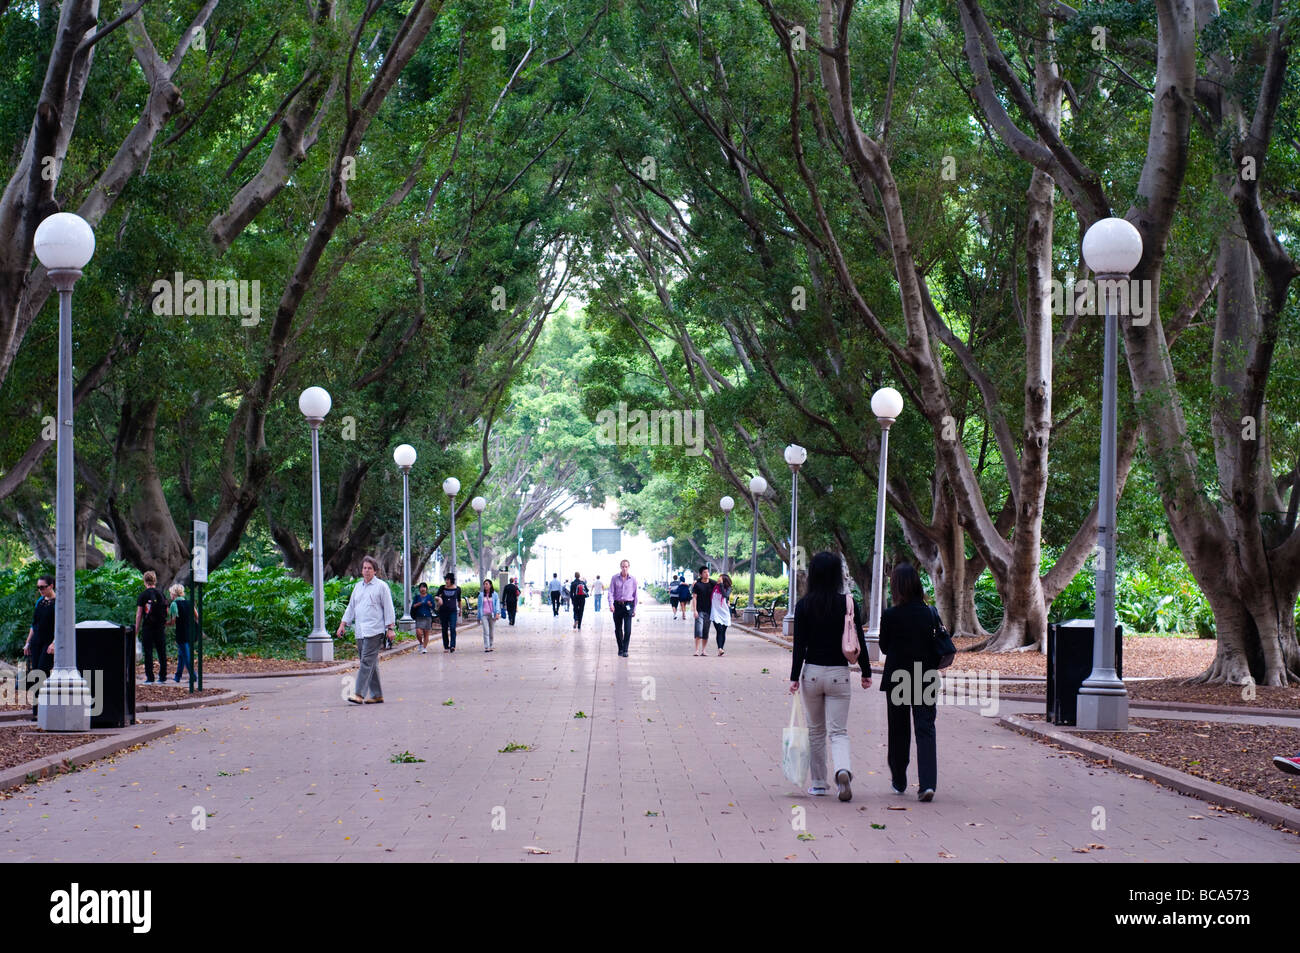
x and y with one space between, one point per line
597 589
371 609
555 586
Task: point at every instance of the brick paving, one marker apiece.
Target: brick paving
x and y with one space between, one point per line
677 759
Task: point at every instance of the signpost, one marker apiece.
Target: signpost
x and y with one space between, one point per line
198 575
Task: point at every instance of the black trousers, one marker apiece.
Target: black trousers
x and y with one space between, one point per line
511 608
900 719
623 624
721 631
555 602
578 606
151 642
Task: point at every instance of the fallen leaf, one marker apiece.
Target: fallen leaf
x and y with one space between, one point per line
1193 817
1091 846
942 853
536 850
995 747
892 807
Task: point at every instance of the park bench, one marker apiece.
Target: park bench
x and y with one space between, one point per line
766 614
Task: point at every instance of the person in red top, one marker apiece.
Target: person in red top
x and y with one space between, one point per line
622 602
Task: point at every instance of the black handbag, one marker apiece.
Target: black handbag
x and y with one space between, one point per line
942 641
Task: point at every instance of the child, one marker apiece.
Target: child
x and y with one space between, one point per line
184 615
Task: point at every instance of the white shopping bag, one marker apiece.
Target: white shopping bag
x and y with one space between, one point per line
794 745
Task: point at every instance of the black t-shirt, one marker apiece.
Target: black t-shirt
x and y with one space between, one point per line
155 611
450 599
184 620
703 592
510 592
42 628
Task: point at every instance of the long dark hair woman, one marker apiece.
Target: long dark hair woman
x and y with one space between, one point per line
911 679
820 667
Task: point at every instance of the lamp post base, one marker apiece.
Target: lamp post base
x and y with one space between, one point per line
749 616
873 649
1102 712
63 703
406 624
787 625
320 648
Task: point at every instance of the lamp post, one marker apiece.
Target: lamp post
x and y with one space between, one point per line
670 540
315 403
727 504
757 487
64 244
886 404
479 504
795 456
451 486
1111 248
404 457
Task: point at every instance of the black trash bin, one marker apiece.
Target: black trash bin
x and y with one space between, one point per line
106 658
1069 663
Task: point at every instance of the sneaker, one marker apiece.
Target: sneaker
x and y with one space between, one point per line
424 651
842 779
817 791
896 789
1289 765
927 795
377 700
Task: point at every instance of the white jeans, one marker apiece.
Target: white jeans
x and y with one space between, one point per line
489 624
826 695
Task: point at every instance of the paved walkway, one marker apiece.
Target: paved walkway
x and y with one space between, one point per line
677 759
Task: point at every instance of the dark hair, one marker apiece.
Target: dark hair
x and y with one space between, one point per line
492 590
702 569
424 585
450 577
905 585
48 580
825 579
725 581
577 575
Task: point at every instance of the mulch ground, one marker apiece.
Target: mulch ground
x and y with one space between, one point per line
20 744
1172 690
1237 756
1144 657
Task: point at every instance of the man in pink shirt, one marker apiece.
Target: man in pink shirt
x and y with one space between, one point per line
622 602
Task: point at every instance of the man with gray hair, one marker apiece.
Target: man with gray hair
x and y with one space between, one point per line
370 608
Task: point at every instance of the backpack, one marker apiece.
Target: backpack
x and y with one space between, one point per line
157 611
581 591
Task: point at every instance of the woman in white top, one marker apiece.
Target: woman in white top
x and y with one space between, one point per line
489 610
721 610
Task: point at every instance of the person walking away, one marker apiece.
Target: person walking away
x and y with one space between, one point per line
370 611
39 647
555 587
510 595
151 622
911 678
820 667
448 603
422 612
673 597
702 591
489 610
720 610
183 615
683 594
597 589
622 603
578 596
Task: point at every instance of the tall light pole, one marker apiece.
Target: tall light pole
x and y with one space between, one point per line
670 540
757 487
886 404
727 504
451 486
315 403
1111 248
404 457
795 456
64 244
479 504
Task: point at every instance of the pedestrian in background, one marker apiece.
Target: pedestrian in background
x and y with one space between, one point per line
183 616
370 610
489 610
151 623
448 602
555 586
422 607
578 595
622 603
597 589
720 611
702 592
39 647
820 667
510 595
683 594
673 596
907 630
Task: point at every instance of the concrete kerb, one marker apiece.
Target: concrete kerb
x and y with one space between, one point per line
1195 707
198 701
114 740
1180 781
298 672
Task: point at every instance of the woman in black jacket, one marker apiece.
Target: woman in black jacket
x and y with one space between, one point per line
912 680
819 657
